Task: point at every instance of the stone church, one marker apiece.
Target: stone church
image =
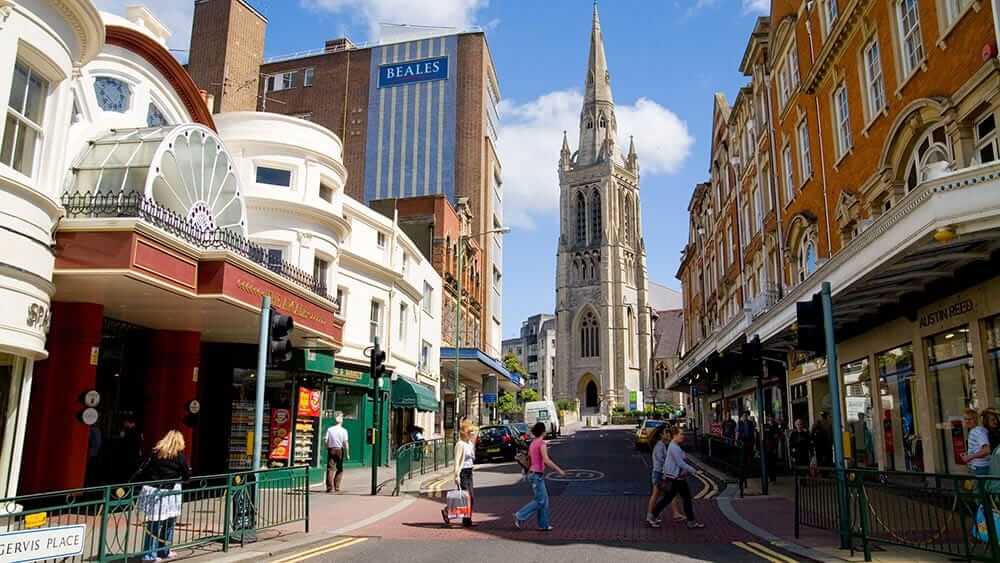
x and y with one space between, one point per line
603 318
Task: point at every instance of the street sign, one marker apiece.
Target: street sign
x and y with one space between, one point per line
58 542
490 398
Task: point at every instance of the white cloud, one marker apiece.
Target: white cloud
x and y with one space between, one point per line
758 6
175 14
438 13
531 134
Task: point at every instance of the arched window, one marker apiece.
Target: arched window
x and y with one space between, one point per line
589 339
932 147
627 218
595 217
604 121
807 257
581 219
630 338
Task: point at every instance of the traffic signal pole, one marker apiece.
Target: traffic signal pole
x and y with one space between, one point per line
263 344
833 378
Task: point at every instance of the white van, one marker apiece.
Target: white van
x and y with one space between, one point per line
542 411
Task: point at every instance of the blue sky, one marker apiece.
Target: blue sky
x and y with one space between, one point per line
667 58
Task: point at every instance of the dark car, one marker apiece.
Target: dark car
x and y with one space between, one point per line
498 442
523 431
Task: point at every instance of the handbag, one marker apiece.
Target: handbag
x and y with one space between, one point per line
522 459
459 505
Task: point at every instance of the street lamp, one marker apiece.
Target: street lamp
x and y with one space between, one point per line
458 314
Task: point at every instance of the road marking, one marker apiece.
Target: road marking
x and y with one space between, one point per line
576 475
761 554
764 553
310 553
781 557
709 489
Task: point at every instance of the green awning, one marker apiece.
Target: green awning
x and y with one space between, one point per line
407 394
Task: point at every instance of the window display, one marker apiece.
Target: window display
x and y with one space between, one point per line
953 388
900 426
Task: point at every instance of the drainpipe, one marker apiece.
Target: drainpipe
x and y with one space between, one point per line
822 152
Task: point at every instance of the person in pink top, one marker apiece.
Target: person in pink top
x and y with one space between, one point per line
538 453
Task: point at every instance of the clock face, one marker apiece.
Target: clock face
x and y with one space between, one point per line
112 94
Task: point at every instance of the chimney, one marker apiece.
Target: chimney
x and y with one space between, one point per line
337 45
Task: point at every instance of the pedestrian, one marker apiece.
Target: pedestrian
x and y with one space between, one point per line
160 498
822 442
465 460
991 421
675 472
800 443
538 454
977 445
772 437
127 449
729 430
659 457
338 450
745 439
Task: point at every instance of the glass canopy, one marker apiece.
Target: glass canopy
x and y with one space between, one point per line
183 168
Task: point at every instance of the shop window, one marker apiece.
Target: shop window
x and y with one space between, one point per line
112 94
858 412
953 389
993 355
800 403
274 176
986 139
23 129
347 403
900 426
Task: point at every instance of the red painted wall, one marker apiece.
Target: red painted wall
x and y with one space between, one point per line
170 385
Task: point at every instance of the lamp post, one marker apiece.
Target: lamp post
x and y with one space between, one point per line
458 314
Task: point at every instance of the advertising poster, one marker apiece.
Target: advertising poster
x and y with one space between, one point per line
310 402
281 429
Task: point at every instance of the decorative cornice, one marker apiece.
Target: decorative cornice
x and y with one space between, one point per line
87 25
835 40
158 56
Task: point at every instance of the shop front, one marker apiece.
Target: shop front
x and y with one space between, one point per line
349 390
414 408
472 366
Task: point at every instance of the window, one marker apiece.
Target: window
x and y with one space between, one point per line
807 257
589 337
729 245
280 81
896 374
307 76
428 298
873 79
155 117
321 271
829 14
581 219
275 256
986 139
805 158
595 217
745 224
786 164
909 33
842 114
954 9
326 193
951 377
758 210
23 129
112 94
932 147
375 321
406 263
380 239
425 356
342 301
274 176
627 228
404 309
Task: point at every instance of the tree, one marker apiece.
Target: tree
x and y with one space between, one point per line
528 394
506 403
513 364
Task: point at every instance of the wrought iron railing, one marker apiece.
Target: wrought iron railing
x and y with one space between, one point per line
136 205
954 515
422 457
134 520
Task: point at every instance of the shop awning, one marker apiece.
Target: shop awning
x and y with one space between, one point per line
477 362
407 394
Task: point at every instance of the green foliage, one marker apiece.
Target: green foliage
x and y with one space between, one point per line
528 394
512 364
566 405
506 403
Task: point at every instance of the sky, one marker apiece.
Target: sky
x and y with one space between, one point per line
666 57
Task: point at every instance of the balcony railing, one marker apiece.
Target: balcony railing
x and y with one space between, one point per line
765 300
138 206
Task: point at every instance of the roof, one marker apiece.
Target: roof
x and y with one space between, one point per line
667 333
663 298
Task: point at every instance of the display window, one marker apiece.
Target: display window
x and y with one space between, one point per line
858 410
992 329
900 424
952 379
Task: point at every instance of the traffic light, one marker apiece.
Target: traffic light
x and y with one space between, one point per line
751 358
809 314
279 350
377 363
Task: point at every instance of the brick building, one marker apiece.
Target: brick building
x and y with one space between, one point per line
864 153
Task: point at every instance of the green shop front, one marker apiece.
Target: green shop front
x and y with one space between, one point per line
348 388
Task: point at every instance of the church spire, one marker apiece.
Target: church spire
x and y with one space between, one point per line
598 126
565 158
632 160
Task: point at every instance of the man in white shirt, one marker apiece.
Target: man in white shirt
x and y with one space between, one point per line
337 448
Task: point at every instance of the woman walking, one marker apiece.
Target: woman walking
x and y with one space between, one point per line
465 459
675 472
659 457
538 453
160 500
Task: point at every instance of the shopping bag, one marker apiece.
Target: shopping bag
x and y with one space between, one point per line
980 530
459 505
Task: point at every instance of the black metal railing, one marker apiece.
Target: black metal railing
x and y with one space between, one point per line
954 515
136 205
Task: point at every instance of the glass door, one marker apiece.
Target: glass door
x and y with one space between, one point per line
953 385
858 412
900 426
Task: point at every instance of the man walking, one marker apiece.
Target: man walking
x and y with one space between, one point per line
337 448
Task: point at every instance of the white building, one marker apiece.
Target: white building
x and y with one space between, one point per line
535 348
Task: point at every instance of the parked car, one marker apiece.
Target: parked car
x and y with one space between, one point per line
523 430
542 411
647 434
498 442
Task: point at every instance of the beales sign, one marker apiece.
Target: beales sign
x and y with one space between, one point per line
397 74
43 543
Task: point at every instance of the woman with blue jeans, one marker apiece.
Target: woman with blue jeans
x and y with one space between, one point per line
538 454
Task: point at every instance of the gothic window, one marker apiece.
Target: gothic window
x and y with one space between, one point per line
627 222
630 339
604 122
595 217
594 261
576 269
932 147
590 123
581 219
589 338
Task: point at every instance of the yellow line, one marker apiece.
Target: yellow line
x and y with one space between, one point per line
763 555
780 556
354 541
310 552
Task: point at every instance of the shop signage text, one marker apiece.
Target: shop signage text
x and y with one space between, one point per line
350 377
297 308
44 543
39 317
397 74
945 313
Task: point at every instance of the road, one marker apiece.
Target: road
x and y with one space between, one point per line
598 513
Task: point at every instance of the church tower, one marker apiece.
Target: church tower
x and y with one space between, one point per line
603 335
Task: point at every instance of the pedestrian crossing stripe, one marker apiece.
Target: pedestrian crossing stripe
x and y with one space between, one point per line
321 550
764 552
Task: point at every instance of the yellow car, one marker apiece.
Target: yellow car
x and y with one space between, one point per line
647 433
